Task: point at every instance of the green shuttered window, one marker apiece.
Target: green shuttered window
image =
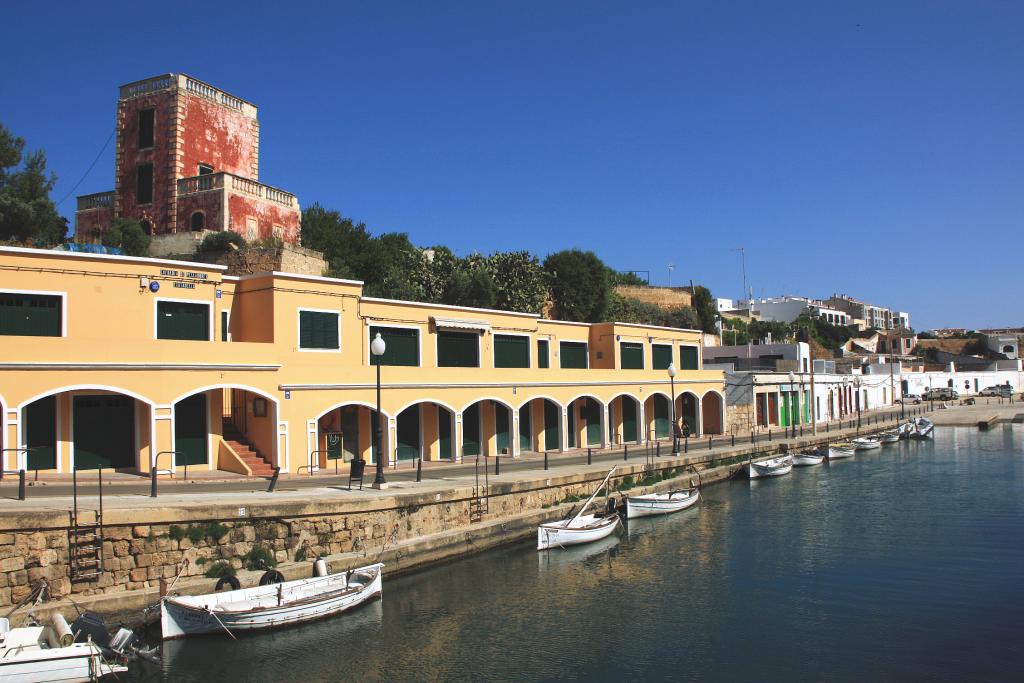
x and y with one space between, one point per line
661 356
458 349
401 346
631 355
180 320
688 358
542 353
573 354
318 330
511 351
31 315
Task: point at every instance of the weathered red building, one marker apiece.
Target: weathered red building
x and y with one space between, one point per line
188 159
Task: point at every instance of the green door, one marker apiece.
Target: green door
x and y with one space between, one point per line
661 419
552 438
501 428
41 434
784 410
104 432
571 418
628 420
444 432
525 418
408 430
593 415
471 430
349 432
190 431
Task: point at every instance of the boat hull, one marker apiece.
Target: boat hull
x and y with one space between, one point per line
78 662
590 528
660 503
867 444
840 453
807 460
180 617
776 467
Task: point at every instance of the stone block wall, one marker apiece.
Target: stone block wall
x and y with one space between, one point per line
740 419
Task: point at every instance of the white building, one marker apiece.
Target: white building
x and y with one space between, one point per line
786 309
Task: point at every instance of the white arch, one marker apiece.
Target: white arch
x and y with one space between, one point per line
244 387
713 391
444 405
534 398
579 396
489 398
353 403
626 394
86 387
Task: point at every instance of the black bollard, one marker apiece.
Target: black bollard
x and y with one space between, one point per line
686 444
545 459
657 450
710 439
419 469
625 452
769 435
152 482
801 430
21 484
733 439
273 480
590 455
497 465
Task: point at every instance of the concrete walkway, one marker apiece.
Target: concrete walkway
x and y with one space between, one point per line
129 492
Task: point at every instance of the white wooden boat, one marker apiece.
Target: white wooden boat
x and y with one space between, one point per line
807 459
271 606
837 451
661 503
774 467
580 528
889 437
38 654
923 428
866 444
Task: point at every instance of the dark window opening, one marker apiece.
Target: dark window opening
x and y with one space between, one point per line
205 169
144 183
146 118
198 221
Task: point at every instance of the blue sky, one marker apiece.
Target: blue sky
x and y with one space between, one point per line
867 148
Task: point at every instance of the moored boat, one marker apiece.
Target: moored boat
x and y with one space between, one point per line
837 451
270 606
39 654
923 428
807 459
889 437
866 443
773 467
579 528
661 503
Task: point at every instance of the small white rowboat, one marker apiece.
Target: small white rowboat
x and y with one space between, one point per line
866 444
923 428
661 503
837 451
583 529
775 467
272 606
39 654
889 437
807 459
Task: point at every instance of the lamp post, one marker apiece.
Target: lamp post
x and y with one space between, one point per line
377 347
794 403
675 424
856 384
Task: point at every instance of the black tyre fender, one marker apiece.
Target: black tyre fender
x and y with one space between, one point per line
271 576
227 581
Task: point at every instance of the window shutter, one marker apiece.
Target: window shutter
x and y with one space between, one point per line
573 355
511 351
318 330
181 320
401 346
35 315
661 356
458 349
631 356
688 358
542 353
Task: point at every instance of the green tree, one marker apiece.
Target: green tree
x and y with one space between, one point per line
705 308
519 280
390 268
760 330
127 235
579 285
27 214
344 243
735 331
434 275
617 277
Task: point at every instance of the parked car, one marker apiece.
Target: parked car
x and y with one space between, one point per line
941 394
910 399
994 390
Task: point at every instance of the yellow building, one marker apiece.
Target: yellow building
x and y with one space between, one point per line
127 362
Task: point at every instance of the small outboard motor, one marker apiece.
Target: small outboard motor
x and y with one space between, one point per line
319 566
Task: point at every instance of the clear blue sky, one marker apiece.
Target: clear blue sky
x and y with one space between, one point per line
868 148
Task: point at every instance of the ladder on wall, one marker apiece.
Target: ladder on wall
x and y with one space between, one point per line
85 538
478 504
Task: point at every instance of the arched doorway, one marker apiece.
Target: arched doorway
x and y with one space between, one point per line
689 411
425 430
487 428
658 412
585 417
345 432
540 425
712 410
624 420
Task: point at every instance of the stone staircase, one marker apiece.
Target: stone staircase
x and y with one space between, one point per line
245 450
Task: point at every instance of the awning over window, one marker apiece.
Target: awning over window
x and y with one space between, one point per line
461 324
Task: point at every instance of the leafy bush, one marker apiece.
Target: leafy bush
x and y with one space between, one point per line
260 557
198 532
127 235
219 569
221 241
300 554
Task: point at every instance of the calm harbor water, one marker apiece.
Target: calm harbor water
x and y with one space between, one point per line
902 564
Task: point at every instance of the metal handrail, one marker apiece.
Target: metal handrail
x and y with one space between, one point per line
309 465
23 449
156 462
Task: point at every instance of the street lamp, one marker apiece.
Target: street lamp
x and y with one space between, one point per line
794 402
377 347
675 424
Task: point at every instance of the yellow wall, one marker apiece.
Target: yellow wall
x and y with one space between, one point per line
109 344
